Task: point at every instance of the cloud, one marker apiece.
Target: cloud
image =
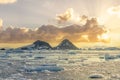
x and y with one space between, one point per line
84 17
71 17
66 16
90 32
7 1
115 10
1 24
11 34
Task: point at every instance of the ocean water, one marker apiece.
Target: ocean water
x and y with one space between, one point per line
59 65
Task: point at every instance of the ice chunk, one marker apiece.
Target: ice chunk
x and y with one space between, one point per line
44 67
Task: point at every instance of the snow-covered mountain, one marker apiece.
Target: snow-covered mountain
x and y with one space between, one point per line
40 45
37 45
66 44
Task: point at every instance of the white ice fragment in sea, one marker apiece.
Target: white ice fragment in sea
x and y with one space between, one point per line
43 68
116 76
18 75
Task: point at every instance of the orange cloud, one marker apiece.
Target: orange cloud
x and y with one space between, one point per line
70 16
7 1
90 32
65 16
1 23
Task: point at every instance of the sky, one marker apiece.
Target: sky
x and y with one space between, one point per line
34 13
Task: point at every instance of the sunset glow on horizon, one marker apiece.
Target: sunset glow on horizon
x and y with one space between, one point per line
83 22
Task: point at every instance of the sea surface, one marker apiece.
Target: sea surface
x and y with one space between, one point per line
59 65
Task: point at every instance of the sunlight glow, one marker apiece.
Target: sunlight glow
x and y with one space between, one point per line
114 10
105 36
1 22
101 20
85 37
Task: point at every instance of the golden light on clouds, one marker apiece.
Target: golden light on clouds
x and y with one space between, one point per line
90 31
115 10
1 22
66 16
85 37
80 21
83 29
104 37
7 1
25 30
71 16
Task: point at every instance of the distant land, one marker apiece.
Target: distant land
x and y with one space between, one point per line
63 45
39 45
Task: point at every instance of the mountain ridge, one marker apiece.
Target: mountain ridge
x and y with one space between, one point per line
40 45
66 44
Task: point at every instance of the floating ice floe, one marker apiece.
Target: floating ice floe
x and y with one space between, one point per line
116 76
111 57
44 67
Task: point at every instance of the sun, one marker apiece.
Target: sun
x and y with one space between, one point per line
105 37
